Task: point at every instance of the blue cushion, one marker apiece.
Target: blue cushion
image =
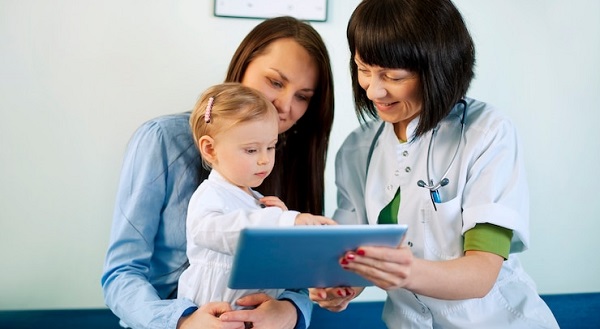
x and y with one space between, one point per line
358 315
575 311
64 319
572 311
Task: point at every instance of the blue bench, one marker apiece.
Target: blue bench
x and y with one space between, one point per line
572 311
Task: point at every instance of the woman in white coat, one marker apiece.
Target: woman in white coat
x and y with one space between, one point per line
448 166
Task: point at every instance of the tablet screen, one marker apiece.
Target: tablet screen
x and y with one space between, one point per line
304 256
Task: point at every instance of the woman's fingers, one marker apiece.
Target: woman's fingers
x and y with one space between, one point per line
332 299
388 268
215 308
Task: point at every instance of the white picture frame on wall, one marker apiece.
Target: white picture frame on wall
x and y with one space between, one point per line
308 10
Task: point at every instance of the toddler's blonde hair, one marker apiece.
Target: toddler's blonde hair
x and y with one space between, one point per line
233 103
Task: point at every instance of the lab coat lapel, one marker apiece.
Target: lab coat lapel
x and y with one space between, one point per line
381 184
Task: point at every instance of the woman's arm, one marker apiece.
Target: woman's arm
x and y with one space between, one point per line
470 276
141 267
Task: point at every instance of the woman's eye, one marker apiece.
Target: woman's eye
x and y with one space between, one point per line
250 151
364 72
276 83
303 98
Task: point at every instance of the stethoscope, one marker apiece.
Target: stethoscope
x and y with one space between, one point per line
434 187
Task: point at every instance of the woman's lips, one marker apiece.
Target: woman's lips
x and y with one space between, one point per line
384 106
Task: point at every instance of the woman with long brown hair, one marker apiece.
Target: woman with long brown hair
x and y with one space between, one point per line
286 60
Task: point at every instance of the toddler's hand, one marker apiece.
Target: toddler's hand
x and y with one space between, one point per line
273 201
309 219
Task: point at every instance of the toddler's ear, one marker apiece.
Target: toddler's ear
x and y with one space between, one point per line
207 149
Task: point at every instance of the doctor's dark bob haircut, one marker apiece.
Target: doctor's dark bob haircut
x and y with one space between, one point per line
298 177
426 37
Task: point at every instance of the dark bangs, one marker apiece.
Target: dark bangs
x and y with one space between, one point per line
382 38
426 37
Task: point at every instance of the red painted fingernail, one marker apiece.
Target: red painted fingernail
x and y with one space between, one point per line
339 292
360 252
344 262
350 256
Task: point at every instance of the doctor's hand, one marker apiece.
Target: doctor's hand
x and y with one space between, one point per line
309 219
268 313
207 317
387 267
334 299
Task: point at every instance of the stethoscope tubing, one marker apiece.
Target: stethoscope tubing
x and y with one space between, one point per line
444 180
433 188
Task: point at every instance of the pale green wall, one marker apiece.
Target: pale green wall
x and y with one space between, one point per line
77 77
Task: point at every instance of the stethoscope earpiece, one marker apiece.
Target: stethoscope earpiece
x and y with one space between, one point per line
433 187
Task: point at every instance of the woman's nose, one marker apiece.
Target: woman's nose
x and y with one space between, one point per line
376 89
283 103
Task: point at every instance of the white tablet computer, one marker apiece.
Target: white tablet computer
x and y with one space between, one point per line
304 256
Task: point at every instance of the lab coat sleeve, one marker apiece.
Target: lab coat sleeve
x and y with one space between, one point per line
350 176
345 212
496 190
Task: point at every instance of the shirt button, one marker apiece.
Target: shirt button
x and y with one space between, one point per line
397 173
407 169
423 309
405 153
390 187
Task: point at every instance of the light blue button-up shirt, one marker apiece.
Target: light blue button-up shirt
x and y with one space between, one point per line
147 250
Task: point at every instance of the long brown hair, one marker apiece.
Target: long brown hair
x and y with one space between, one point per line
299 174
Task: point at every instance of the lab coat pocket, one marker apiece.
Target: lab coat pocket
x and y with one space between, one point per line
442 230
526 307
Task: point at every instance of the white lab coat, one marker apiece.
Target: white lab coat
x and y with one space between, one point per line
487 185
217 212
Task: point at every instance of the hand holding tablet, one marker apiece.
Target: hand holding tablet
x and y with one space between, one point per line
304 256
